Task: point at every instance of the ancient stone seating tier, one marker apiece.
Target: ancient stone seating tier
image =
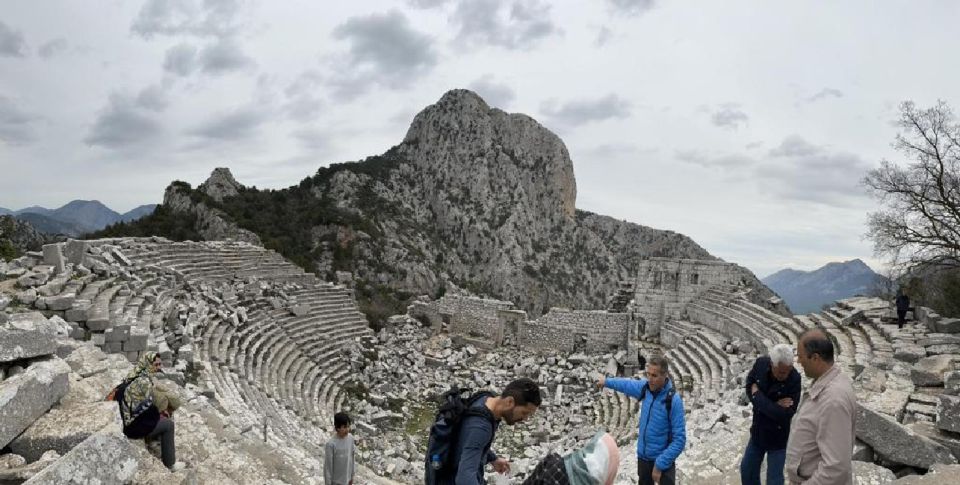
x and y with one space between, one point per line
279 361
724 313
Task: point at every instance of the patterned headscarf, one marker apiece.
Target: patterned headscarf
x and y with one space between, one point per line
144 365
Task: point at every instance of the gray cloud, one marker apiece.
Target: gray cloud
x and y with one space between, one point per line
603 36
15 125
729 116
631 7
696 157
824 94
384 50
302 102
153 98
223 56
578 112
312 139
795 146
181 60
495 94
186 17
235 125
11 42
426 3
520 25
800 170
123 123
52 48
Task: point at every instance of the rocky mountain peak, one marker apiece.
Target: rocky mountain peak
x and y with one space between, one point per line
461 138
221 184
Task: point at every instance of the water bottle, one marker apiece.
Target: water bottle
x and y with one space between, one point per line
435 462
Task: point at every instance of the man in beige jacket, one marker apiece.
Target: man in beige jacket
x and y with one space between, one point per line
820 447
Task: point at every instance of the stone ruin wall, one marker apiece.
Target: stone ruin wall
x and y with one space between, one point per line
490 323
578 330
665 286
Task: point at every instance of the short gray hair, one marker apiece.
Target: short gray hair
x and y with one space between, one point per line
781 354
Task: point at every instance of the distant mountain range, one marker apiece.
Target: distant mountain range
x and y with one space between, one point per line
808 291
77 217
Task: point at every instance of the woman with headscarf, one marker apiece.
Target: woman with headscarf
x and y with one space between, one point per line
594 464
146 408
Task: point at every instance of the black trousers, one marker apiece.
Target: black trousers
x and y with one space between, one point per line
645 471
901 318
168 450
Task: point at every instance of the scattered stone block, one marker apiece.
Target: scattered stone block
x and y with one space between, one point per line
25 397
23 472
53 256
948 413
865 472
78 312
101 458
19 344
27 297
951 382
896 443
137 341
60 302
299 310
63 429
948 325
929 370
909 353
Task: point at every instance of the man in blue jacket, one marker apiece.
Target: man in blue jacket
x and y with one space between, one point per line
662 431
773 387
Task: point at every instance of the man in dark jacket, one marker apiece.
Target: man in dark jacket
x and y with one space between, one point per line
903 306
773 387
518 401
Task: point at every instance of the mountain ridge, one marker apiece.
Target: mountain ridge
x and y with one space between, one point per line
76 217
808 291
473 196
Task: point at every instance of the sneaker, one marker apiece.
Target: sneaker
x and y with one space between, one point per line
178 466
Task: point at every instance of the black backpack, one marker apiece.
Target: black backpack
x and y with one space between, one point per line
445 431
668 402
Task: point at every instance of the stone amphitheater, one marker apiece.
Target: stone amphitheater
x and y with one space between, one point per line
263 354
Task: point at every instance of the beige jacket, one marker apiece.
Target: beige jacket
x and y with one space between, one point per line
820 447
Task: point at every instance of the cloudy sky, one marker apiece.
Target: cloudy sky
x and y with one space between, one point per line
745 125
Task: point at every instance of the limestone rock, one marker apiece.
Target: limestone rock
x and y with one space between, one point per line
18 343
948 325
897 443
221 184
929 370
25 397
212 223
22 472
64 428
948 413
101 458
865 473
938 475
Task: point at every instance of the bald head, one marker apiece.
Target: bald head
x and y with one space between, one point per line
815 352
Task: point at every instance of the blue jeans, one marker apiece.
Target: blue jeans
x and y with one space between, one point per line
753 458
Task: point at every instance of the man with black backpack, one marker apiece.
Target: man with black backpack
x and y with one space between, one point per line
662 430
461 436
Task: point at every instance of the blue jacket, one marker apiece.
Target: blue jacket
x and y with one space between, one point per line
652 435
